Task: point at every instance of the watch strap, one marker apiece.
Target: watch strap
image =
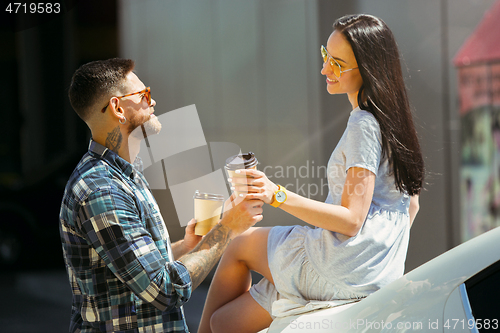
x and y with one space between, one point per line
275 203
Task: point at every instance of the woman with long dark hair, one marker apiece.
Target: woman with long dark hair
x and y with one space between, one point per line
361 232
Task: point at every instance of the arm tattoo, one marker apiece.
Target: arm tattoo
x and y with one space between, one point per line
114 139
200 261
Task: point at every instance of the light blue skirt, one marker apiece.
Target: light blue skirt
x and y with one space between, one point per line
295 278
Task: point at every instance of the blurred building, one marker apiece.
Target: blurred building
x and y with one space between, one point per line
478 66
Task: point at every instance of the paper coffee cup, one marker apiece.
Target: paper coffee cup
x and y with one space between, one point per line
207 211
240 161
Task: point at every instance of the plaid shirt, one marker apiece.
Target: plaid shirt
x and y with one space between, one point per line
117 251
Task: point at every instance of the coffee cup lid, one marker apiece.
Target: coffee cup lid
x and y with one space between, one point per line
208 196
241 161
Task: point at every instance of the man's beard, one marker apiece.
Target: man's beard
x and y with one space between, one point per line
140 128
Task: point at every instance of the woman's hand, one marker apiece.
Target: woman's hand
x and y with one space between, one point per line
255 184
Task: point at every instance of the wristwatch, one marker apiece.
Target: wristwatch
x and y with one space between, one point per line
279 196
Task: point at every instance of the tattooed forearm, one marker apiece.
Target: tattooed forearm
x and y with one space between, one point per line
114 139
178 249
205 255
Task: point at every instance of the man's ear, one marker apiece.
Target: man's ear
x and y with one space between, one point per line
114 106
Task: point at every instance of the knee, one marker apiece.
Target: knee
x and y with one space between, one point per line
239 246
217 321
233 252
252 239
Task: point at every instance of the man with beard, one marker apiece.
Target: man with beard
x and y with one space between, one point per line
124 273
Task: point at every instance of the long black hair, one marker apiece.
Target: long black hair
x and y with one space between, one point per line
384 94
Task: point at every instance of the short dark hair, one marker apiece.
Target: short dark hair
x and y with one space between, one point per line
384 94
97 81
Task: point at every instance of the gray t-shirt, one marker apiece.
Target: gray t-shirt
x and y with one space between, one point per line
364 263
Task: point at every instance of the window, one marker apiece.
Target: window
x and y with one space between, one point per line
483 290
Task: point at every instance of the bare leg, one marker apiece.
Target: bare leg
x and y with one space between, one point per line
232 278
242 315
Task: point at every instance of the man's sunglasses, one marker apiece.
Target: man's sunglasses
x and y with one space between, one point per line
146 92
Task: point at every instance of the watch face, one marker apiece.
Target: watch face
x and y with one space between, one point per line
280 196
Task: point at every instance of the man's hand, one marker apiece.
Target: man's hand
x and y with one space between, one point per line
241 213
189 242
190 239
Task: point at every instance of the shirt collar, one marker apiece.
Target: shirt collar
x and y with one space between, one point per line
112 158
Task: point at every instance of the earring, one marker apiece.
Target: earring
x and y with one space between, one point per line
124 120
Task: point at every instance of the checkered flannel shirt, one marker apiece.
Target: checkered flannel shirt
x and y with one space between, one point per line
117 251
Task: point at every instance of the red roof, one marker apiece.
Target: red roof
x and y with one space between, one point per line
484 43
